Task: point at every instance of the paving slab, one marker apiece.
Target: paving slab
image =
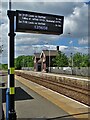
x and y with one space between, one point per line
70 106
38 107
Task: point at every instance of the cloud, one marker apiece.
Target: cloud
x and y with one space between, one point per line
68 50
83 41
30 50
75 22
46 0
70 42
21 50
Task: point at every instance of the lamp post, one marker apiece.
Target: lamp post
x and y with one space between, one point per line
1 49
49 58
23 62
72 54
71 42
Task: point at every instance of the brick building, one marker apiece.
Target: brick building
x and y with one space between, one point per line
43 61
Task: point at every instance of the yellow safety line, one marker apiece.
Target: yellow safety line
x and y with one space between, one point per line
69 109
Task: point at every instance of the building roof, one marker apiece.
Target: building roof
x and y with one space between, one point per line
47 53
37 55
50 52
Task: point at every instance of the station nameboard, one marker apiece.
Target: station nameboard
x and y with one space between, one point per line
33 22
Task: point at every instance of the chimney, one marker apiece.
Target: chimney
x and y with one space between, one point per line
57 48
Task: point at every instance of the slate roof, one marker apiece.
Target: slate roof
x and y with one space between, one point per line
52 52
47 53
37 55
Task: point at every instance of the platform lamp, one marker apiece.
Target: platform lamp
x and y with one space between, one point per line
71 42
49 58
1 48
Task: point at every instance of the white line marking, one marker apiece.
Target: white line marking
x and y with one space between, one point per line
70 99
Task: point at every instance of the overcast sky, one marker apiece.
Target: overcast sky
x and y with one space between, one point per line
75 22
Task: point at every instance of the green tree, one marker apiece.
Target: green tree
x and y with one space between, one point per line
81 60
61 60
77 60
30 62
18 62
23 61
4 66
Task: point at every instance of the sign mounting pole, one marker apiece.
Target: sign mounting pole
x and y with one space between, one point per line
11 114
31 22
9 4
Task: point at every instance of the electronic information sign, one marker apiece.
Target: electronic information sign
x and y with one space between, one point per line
33 22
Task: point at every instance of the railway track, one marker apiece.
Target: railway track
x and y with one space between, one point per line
75 92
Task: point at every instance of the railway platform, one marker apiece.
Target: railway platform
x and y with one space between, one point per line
34 106
47 104
73 87
71 108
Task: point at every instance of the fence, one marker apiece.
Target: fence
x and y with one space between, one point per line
84 71
28 68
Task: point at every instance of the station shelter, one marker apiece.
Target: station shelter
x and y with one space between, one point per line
44 60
